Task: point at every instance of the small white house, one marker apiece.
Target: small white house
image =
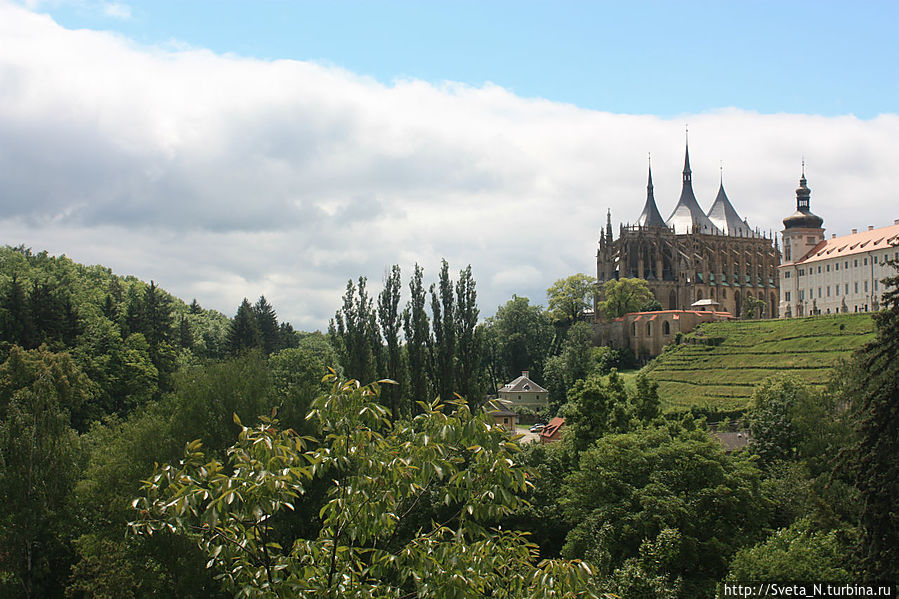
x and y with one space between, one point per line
524 392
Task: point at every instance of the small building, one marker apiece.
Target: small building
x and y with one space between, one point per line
552 431
502 414
524 392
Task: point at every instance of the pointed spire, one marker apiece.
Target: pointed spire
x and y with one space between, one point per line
687 215
609 225
650 217
688 174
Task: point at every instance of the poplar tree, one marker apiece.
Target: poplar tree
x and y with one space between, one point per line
390 320
443 342
469 337
416 328
351 332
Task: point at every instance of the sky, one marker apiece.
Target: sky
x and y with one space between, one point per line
231 149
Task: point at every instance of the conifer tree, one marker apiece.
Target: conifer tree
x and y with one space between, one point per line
351 333
157 308
267 321
185 335
133 319
195 307
244 332
287 337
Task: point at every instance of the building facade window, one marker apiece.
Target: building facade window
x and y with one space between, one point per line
787 296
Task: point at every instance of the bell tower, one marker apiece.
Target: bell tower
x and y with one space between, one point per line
803 230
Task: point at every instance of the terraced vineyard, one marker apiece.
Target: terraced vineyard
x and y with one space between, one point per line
719 364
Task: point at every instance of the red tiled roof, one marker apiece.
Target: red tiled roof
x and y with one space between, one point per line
856 243
550 429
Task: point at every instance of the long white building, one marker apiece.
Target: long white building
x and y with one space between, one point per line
840 274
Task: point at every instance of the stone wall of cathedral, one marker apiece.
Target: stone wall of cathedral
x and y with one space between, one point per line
681 269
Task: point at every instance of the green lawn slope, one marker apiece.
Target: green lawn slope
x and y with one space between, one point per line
717 366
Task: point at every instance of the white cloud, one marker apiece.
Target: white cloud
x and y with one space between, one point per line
220 176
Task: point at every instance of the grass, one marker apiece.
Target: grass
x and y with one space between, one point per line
720 363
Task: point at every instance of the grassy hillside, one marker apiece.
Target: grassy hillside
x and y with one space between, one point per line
719 364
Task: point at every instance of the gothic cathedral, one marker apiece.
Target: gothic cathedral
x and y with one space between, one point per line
714 258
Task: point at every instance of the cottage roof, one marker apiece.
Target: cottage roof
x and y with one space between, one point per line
855 243
497 407
554 425
522 385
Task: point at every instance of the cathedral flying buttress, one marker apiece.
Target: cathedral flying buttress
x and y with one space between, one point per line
713 257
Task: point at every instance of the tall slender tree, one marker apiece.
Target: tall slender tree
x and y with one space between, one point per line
17 325
390 320
469 338
416 328
351 334
443 341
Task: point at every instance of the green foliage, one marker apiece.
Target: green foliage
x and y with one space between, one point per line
597 406
517 338
569 297
770 418
390 320
630 488
469 339
442 344
379 474
795 553
621 296
39 458
872 389
416 327
244 333
267 323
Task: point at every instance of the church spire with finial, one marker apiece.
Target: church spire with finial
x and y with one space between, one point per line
650 217
688 174
609 225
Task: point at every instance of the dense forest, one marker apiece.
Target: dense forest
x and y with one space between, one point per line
151 447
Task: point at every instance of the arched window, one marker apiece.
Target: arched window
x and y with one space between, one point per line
648 329
634 329
666 328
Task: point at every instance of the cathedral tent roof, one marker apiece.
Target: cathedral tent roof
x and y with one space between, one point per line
725 217
650 216
687 215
